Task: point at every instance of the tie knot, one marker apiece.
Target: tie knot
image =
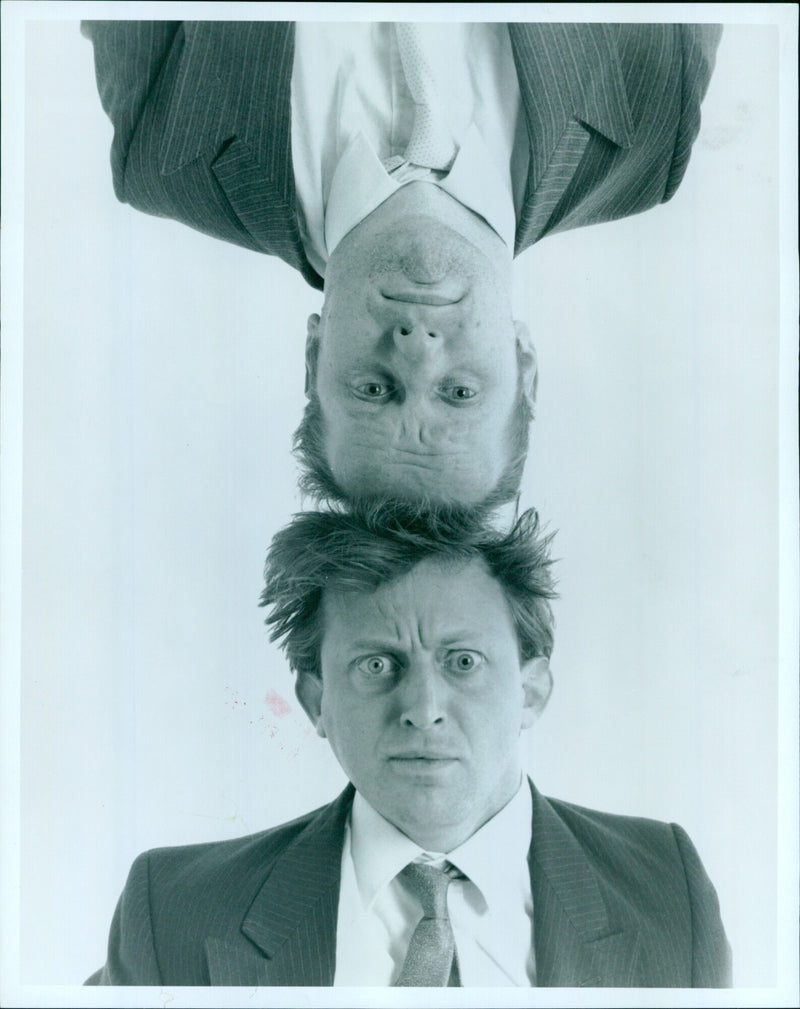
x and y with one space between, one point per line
429 884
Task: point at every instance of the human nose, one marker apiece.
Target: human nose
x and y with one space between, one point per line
417 340
422 702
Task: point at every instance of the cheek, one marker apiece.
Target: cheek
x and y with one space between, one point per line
327 393
496 727
353 727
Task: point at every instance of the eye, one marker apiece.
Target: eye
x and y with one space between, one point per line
376 666
458 393
373 390
463 661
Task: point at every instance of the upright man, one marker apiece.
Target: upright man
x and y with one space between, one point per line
402 167
420 645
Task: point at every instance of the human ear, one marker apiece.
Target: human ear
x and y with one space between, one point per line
537 683
312 350
308 689
529 372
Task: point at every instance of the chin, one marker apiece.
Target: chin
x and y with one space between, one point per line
433 822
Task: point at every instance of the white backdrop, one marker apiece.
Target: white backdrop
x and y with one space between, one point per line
163 376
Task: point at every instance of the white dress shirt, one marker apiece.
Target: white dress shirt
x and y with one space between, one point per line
491 911
352 110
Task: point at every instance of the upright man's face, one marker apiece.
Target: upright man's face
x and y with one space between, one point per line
419 363
423 698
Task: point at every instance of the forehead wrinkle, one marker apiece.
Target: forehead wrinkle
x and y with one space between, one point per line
388 611
368 464
398 606
437 477
432 464
392 456
375 616
374 433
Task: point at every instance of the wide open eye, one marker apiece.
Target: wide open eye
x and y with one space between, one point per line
463 661
376 666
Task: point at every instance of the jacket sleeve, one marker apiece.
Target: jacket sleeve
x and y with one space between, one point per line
131 958
711 952
128 57
699 53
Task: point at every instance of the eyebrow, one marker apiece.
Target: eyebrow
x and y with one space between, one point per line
386 645
381 644
459 636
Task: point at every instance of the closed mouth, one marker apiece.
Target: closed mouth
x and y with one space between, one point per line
423 298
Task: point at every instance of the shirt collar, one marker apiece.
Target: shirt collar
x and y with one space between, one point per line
360 183
379 850
509 832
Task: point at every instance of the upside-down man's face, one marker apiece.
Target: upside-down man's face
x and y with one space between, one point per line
419 364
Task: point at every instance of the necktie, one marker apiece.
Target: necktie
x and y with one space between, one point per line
431 144
431 960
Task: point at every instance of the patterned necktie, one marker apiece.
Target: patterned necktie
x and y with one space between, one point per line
431 144
431 960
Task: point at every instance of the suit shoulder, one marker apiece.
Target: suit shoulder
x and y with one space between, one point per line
181 863
176 898
633 853
647 872
203 878
617 825
652 869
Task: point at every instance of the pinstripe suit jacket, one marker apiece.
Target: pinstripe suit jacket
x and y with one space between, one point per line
617 902
202 122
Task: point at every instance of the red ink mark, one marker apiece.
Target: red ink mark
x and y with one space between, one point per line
276 704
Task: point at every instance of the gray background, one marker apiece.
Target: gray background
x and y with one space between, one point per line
163 376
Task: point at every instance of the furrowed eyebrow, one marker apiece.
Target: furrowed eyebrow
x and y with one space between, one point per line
376 644
458 637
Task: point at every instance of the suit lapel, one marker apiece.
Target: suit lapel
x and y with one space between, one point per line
231 104
231 97
291 924
577 944
292 921
233 79
570 78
